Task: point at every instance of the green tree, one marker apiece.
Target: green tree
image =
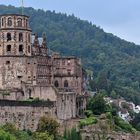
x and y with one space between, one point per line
19 135
48 125
102 81
136 122
113 94
97 104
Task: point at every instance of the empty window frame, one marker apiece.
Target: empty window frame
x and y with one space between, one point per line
20 48
8 48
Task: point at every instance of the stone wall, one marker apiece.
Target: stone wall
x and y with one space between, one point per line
66 105
17 70
91 132
44 93
25 115
68 125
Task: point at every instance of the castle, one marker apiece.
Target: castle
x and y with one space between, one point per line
28 71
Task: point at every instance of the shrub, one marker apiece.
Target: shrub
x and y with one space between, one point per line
9 127
48 125
6 136
87 121
42 136
88 113
125 126
71 135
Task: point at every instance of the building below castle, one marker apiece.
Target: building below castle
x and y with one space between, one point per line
28 72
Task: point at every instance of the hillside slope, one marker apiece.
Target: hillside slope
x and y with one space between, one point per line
115 62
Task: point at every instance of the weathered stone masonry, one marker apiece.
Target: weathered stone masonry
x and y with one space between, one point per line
25 115
27 71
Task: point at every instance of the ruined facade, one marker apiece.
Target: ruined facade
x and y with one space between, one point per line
25 115
27 71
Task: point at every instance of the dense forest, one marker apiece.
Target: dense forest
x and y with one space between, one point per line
115 62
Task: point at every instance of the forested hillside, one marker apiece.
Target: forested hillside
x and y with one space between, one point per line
114 62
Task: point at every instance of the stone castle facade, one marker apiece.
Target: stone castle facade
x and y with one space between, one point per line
28 71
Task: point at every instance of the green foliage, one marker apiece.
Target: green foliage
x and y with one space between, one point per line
97 104
22 135
42 136
109 115
71 135
9 131
47 130
9 127
88 113
102 82
48 125
123 126
110 120
115 109
19 135
113 95
132 113
87 121
136 122
6 136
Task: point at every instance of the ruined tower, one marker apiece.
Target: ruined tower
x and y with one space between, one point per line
15 50
15 35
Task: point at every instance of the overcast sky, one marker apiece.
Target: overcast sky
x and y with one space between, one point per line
120 17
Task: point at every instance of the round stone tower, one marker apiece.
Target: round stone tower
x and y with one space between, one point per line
15 35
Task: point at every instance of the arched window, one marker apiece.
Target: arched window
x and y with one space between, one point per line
19 22
9 36
66 83
20 48
56 84
8 48
29 49
9 23
20 37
